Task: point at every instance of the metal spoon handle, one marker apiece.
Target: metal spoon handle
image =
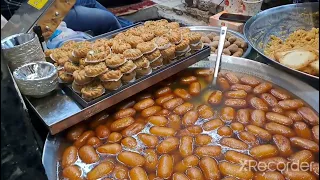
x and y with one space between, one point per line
223 33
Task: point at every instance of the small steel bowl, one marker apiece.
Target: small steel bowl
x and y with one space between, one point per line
36 79
20 49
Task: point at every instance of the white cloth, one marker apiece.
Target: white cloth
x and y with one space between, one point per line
3 21
63 34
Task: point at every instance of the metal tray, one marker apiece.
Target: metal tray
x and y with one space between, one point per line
60 110
125 91
217 30
112 97
54 144
281 21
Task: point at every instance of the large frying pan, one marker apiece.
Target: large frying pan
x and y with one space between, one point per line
281 21
55 144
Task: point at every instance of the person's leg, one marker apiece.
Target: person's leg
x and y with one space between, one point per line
117 3
83 19
124 22
86 3
121 20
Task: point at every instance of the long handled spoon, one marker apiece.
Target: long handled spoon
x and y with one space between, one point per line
216 68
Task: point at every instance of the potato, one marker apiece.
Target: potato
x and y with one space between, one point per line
203 33
226 52
226 44
232 39
233 48
205 39
212 35
215 44
216 38
238 43
237 54
213 49
244 45
241 50
227 36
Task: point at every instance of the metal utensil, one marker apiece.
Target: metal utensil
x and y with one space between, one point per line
36 79
216 69
282 21
20 49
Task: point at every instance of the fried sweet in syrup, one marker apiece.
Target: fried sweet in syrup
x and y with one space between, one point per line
94 70
76 87
58 54
174 37
81 78
146 47
173 25
47 52
69 67
115 60
134 40
161 30
169 53
97 55
153 56
161 22
111 75
194 37
157 63
82 48
142 62
64 77
112 85
183 45
132 54
127 67
92 91
162 42
61 61
128 77
120 47
147 35
143 71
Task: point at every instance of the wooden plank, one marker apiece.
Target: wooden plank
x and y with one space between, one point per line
54 15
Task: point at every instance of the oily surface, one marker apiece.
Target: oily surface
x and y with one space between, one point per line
177 130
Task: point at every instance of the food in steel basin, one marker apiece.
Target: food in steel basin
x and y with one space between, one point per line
300 51
233 45
174 131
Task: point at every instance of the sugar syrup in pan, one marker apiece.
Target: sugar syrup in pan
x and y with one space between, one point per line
174 83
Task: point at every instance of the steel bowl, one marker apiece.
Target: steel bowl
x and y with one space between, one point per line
281 21
20 49
54 145
208 29
36 79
